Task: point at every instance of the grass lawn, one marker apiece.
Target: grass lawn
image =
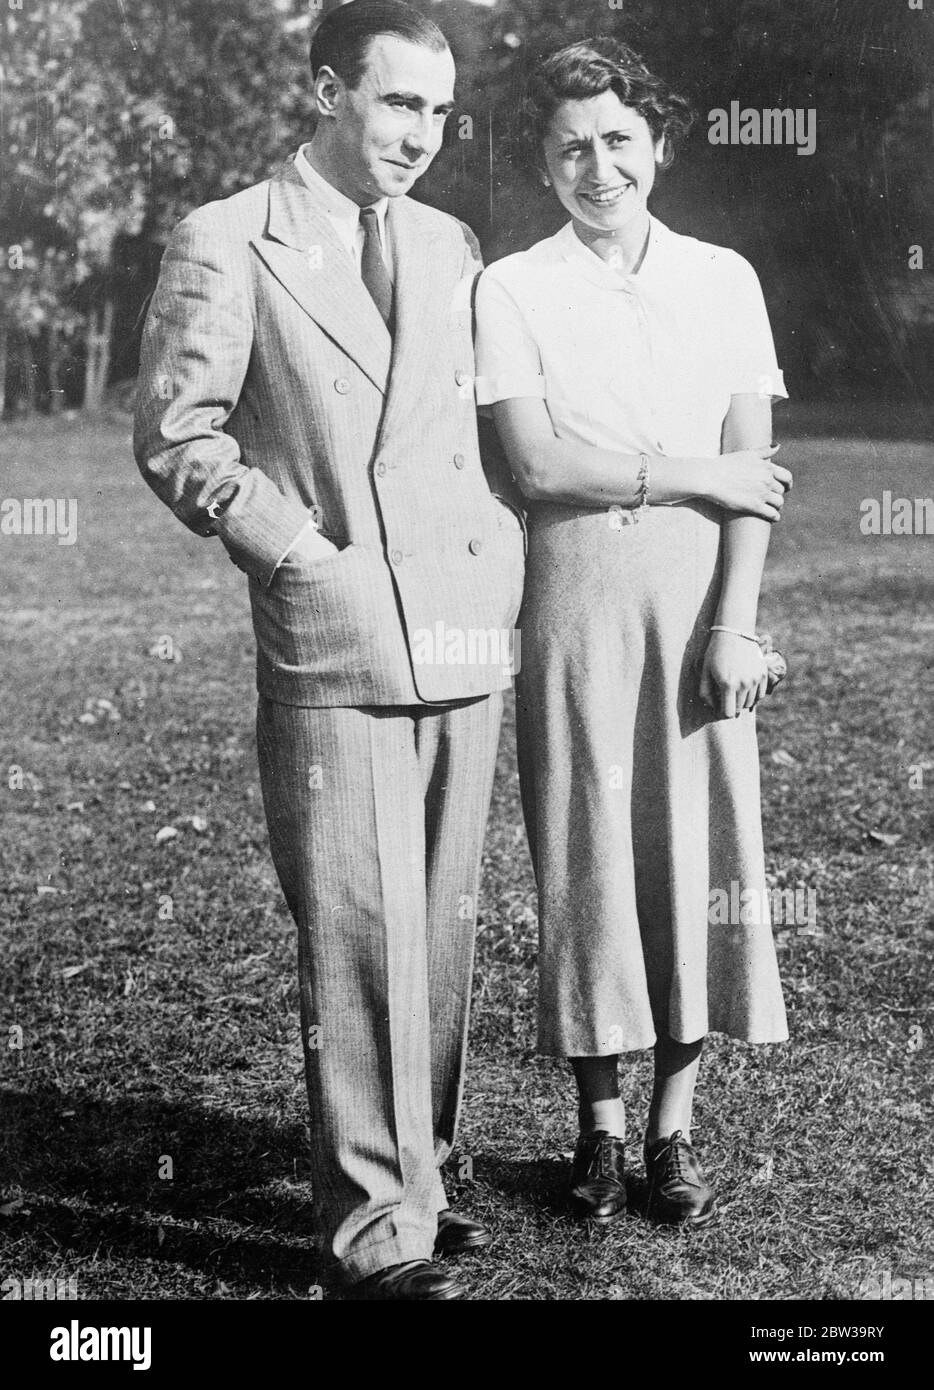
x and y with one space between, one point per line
153 980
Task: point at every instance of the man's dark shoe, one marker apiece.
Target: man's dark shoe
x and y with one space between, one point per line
598 1183
458 1235
414 1280
678 1191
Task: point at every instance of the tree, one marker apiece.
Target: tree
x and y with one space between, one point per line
118 119
829 233
223 83
74 176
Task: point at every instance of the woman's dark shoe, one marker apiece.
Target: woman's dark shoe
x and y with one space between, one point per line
414 1280
598 1183
678 1191
458 1235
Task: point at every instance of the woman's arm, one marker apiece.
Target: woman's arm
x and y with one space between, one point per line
733 676
549 469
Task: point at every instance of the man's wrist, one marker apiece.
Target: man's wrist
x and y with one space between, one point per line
220 501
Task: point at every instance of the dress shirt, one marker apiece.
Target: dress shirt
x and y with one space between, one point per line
344 216
343 213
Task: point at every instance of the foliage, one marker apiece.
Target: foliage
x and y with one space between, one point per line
119 118
121 115
73 168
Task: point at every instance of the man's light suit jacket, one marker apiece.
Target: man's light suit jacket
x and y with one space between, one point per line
270 390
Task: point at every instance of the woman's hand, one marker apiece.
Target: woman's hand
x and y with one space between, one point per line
734 674
749 481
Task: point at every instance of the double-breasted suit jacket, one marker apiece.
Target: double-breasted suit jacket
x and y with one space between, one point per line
272 391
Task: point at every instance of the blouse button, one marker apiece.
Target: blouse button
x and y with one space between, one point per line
396 557
342 385
462 378
475 547
459 460
380 469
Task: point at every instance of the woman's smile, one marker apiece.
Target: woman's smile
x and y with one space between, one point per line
601 158
605 197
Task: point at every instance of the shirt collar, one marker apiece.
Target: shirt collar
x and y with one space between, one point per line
342 211
572 249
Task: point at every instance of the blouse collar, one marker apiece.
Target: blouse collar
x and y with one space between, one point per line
571 249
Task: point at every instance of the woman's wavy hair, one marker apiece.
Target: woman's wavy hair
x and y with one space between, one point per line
588 69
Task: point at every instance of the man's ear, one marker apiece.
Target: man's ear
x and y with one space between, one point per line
328 89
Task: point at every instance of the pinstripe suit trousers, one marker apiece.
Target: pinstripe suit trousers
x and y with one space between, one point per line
376 819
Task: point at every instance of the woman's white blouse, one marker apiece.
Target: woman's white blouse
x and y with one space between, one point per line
630 363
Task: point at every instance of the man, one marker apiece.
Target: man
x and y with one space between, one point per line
306 394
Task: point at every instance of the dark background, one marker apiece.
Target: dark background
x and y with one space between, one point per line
118 116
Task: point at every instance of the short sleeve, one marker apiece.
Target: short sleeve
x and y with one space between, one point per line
753 366
508 360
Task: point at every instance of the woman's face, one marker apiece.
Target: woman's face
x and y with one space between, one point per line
601 158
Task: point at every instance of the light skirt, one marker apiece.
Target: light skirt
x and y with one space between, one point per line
642 808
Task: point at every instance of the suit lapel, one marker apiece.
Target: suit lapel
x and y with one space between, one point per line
421 291
307 257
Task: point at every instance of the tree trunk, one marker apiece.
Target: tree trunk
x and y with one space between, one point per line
4 338
25 402
54 350
98 354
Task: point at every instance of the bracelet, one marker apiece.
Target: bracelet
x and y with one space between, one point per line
749 636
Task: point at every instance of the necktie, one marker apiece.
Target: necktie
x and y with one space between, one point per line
373 268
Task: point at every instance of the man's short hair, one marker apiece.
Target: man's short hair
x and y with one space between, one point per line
342 38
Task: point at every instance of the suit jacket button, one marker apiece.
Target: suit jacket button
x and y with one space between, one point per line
380 469
342 385
462 378
396 557
475 547
459 460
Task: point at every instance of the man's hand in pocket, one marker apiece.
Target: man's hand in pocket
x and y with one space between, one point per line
310 547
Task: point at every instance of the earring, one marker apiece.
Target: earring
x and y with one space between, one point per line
546 181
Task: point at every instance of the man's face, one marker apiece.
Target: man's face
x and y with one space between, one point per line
388 129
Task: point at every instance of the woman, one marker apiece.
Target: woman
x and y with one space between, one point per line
631 373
